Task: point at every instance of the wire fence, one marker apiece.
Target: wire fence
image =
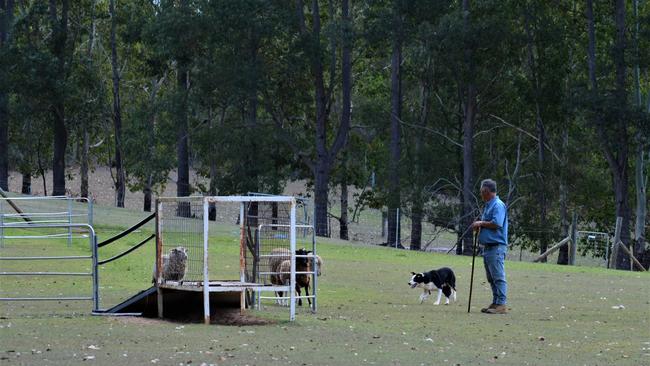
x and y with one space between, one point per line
16 211
370 226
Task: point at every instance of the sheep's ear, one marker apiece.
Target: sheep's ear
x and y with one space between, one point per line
413 273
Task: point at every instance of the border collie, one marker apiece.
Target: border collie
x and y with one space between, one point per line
442 279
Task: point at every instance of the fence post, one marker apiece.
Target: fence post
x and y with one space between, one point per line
574 240
631 256
607 252
396 227
159 294
2 222
69 221
617 238
90 211
93 243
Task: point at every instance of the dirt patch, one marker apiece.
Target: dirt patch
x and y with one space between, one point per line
234 317
137 320
228 316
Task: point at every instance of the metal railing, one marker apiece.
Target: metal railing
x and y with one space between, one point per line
38 210
311 256
92 239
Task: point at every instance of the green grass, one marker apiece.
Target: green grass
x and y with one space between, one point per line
367 314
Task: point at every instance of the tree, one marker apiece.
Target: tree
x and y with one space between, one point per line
612 126
322 165
6 23
59 24
120 179
394 196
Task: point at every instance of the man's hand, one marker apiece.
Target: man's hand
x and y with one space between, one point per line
486 224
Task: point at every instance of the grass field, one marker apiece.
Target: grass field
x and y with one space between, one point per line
367 314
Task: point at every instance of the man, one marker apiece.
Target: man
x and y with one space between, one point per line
494 238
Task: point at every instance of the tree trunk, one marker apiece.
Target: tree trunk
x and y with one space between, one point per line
4 140
84 163
321 194
417 168
641 204
156 84
460 229
252 150
343 221
147 195
346 110
60 143
323 167
6 23
27 184
41 167
640 183
394 199
468 140
120 181
182 146
213 188
416 225
59 39
324 156
618 161
539 124
563 256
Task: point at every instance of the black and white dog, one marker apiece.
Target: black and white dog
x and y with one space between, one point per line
442 279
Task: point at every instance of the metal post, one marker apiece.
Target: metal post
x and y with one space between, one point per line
206 274
574 240
315 275
292 249
257 294
159 241
93 244
2 222
242 254
471 279
69 221
256 268
607 252
90 211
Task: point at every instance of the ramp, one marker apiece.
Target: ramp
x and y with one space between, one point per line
178 304
135 305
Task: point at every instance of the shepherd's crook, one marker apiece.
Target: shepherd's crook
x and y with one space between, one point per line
471 280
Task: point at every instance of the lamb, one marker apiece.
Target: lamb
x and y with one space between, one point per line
174 265
282 254
302 279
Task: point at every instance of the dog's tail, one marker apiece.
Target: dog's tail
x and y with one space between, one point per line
452 281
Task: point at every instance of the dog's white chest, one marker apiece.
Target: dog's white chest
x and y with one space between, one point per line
428 286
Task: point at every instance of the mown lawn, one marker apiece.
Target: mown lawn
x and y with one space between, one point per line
367 314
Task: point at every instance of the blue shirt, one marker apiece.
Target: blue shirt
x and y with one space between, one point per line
495 212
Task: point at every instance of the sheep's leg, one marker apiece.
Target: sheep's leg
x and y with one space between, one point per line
307 294
299 294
